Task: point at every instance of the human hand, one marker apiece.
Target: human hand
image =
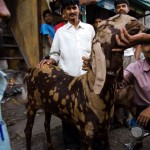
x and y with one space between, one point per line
86 63
46 61
144 117
124 39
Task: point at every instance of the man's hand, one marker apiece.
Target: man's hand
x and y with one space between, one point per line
124 39
46 61
86 63
144 117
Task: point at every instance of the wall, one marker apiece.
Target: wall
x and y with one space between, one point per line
24 25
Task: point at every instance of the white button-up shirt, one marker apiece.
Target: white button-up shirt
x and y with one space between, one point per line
70 45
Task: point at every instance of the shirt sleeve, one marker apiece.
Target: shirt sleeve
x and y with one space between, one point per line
44 30
47 30
55 48
93 32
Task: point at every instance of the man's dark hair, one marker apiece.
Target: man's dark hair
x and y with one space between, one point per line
45 12
117 2
66 3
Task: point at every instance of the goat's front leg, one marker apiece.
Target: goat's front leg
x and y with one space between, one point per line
28 129
89 135
47 129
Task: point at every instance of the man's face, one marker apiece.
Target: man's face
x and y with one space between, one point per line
146 50
97 22
122 9
48 18
72 12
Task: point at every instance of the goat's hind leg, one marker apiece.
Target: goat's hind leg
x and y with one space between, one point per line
47 129
28 129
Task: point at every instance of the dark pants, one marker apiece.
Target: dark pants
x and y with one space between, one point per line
72 138
139 109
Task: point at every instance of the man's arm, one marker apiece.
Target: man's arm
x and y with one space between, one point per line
137 52
124 39
144 117
128 79
46 31
50 40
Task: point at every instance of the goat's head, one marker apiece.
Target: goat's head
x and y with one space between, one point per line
103 59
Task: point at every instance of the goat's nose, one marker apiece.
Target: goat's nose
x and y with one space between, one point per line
4 12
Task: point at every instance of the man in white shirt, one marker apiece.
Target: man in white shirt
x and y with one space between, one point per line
70 44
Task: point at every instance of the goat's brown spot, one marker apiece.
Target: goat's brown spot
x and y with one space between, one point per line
47 81
81 107
72 83
55 89
56 96
37 96
51 92
54 76
73 97
65 111
82 116
63 102
79 127
32 79
46 69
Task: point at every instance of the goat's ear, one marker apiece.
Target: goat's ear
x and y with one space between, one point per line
98 67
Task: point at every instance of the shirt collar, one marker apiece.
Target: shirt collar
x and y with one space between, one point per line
80 25
146 66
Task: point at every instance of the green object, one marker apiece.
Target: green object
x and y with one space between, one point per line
143 4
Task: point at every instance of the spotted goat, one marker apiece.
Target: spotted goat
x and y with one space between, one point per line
87 100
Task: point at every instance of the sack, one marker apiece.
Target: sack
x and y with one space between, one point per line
87 2
4 138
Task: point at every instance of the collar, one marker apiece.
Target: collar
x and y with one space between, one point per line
146 65
80 25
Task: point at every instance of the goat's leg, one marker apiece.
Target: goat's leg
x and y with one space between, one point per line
89 135
88 143
47 129
28 129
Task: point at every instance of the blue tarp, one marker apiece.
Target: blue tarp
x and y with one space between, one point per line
109 4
